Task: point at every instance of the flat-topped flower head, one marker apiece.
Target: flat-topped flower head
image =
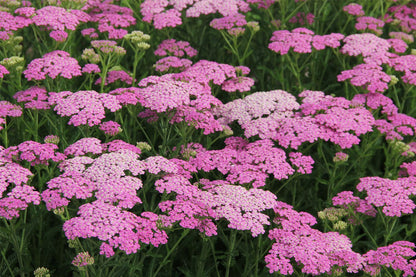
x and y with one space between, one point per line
115 228
8 109
15 194
245 163
171 47
53 64
110 128
168 13
232 22
58 18
299 40
111 19
392 195
34 152
372 48
370 23
84 107
116 75
34 98
370 76
317 252
396 256
171 63
354 9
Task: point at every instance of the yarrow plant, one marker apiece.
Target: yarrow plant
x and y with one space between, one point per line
207 138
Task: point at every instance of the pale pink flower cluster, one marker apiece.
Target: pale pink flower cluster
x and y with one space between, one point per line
278 116
84 107
58 19
112 179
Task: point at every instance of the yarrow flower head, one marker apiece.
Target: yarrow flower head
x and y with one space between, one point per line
84 107
171 47
14 179
317 252
111 128
354 9
34 98
392 195
369 23
395 256
53 64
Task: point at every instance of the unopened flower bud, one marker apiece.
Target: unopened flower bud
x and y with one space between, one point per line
41 272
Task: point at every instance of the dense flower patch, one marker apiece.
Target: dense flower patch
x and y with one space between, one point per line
207 138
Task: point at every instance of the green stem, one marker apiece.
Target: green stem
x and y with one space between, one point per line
230 253
184 233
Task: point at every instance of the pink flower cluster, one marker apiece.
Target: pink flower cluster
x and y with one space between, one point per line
301 40
58 20
395 256
276 115
168 13
347 200
171 47
316 252
392 195
110 18
354 9
396 125
249 163
188 101
8 109
34 98
303 19
84 107
112 179
15 194
116 75
53 64
403 15
369 23
33 152
10 23
171 63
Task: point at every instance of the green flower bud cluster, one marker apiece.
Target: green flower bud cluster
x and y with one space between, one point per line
139 39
